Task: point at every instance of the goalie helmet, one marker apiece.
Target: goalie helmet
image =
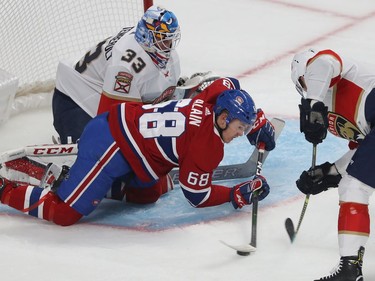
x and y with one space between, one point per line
158 32
298 68
239 105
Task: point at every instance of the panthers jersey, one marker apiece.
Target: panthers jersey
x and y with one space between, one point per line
154 139
122 69
336 82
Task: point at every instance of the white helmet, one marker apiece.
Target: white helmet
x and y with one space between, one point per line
298 67
158 32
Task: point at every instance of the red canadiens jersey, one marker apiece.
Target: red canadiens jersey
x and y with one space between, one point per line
157 138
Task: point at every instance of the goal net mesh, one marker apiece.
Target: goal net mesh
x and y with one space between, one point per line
35 35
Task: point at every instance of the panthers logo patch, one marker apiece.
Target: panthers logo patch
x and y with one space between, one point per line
342 127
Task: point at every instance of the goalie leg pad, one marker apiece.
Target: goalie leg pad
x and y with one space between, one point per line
25 165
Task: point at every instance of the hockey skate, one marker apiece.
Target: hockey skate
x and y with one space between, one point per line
348 269
63 175
2 185
53 176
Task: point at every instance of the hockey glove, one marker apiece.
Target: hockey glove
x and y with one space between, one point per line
313 120
242 194
319 179
182 80
262 131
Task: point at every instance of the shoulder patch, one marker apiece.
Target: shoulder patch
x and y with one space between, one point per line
123 82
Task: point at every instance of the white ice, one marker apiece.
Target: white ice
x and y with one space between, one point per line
254 41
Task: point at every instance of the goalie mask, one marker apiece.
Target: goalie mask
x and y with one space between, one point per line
239 105
298 69
158 32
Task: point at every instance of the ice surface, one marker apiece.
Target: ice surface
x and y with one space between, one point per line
170 240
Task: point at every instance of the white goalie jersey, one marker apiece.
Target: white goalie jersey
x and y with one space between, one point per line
122 69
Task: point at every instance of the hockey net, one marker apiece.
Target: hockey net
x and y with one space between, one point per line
36 35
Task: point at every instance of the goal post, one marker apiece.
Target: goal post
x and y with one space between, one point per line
35 35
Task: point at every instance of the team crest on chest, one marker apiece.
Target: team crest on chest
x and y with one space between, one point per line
342 127
123 82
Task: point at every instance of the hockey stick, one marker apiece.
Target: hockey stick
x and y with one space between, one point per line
254 215
278 124
289 226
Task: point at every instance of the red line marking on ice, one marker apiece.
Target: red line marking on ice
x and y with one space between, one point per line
306 45
312 9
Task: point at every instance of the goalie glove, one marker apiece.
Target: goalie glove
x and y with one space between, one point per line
262 131
319 179
313 120
190 87
242 194
182 80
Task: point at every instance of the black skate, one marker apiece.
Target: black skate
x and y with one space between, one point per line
2 185
349 269
53 176
63 175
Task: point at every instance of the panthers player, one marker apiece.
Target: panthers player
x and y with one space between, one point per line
138 64
339 95
143 143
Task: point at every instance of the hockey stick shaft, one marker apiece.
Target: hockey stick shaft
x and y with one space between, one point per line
254 214
313 164
255 200
289 223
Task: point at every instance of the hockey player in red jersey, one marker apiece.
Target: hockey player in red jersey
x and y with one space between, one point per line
339 95
142 143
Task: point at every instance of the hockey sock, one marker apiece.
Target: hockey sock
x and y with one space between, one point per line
354 219
40 203
353 227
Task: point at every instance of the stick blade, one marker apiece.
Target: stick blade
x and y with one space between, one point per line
289 226
242 250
